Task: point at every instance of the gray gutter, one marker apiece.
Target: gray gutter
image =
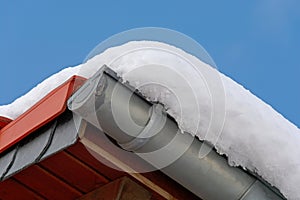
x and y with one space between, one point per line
104 101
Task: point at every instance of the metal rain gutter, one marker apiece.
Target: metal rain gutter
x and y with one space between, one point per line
107 103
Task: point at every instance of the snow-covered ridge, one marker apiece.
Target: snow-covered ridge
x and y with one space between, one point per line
253 134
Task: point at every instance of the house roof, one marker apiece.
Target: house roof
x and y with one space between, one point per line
41 156
47 109
45 154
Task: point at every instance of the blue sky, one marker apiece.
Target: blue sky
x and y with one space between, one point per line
257 43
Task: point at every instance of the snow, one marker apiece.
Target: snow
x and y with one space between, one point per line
204 102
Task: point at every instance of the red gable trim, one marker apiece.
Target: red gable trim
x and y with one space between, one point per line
4 121
47 109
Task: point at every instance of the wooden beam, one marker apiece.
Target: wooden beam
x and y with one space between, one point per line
120 189
139 177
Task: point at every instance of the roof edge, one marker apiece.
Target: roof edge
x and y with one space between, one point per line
44 111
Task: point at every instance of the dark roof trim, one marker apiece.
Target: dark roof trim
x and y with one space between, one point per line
48 140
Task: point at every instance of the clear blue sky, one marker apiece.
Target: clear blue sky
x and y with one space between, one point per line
257 42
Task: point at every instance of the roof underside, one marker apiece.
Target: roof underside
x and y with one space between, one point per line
52 163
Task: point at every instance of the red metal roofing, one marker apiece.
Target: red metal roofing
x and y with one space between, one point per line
47 109
4 121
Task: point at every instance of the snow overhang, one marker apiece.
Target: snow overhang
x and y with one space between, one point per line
209 177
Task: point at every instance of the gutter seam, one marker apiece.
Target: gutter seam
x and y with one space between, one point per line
247 190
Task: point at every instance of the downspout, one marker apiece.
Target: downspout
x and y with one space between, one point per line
109 104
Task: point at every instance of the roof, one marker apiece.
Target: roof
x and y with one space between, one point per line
47 151
47 109
41 157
